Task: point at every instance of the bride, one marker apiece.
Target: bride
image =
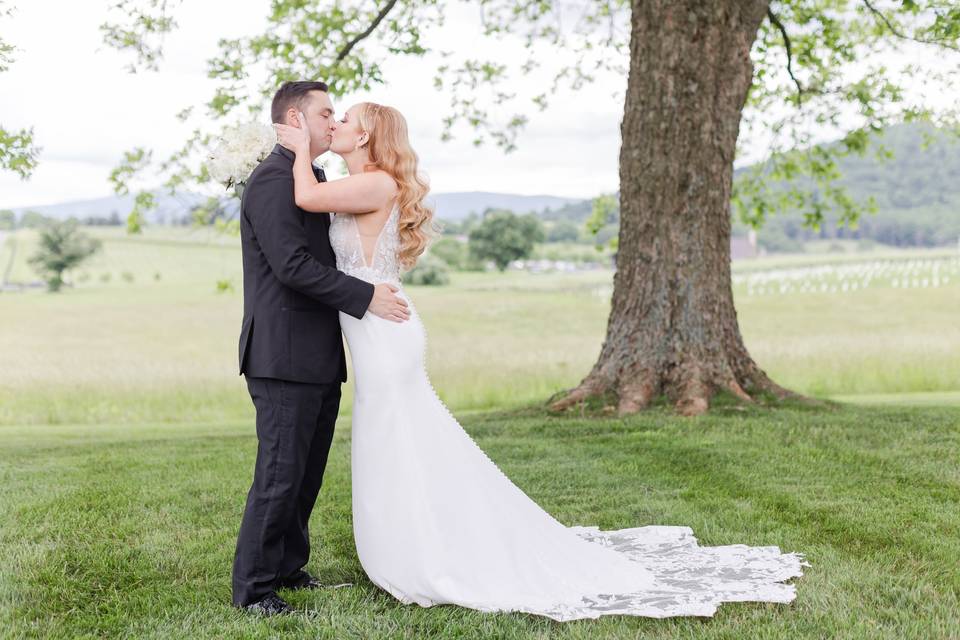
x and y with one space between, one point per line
435 520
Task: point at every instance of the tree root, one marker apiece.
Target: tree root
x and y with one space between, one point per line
695 393
636 393
690 389
734 387
760 382
587 389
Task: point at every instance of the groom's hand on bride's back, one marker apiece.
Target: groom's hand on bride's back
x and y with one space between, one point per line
387 304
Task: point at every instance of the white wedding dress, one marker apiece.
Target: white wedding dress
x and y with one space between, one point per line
436 522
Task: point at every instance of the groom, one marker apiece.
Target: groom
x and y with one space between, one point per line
291 353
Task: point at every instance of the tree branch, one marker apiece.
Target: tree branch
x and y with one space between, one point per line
350 45
904 36
786 41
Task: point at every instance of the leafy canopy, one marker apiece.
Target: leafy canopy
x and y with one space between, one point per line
841 66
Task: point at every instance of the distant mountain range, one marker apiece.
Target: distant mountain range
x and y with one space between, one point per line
449 206
917 193
456 206
168 207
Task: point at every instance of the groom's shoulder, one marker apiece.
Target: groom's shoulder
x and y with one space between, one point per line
273 166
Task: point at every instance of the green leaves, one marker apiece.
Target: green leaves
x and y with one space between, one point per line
333 42
62 247
214 212
6 49
146 22
805 180
836 49
17 151
143 203
6 55
133 161
503 236
577 43
606 210
836 80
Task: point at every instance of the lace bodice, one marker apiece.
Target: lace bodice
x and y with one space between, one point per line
348 247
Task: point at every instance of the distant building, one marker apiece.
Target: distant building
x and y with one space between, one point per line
741 247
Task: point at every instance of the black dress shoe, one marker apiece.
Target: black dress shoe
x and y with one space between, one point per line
270 606
300 580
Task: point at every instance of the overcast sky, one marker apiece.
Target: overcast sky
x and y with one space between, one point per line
87 109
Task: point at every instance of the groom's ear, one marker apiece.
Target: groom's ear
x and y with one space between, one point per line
290 117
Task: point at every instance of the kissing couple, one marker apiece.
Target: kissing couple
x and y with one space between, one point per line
435 521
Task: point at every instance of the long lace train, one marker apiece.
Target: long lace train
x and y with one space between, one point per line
436 521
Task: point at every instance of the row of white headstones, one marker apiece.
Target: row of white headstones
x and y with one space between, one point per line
844 278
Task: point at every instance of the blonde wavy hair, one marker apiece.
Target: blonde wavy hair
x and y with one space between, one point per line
390 151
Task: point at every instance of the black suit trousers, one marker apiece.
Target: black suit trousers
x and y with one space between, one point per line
295 423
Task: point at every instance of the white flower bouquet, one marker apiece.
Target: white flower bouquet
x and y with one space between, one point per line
239 150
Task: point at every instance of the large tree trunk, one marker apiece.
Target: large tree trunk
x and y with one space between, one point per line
673 327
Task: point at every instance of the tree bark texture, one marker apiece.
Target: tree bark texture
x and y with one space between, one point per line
673 328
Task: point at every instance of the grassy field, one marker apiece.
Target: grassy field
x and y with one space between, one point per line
128 444
109 531
157 342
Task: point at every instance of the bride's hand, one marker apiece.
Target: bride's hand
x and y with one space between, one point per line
294 139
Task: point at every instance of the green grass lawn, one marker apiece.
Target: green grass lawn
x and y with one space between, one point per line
159 344
112 531
127 445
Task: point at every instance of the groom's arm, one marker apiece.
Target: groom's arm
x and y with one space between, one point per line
270 208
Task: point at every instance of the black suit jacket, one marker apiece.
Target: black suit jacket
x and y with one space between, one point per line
292 290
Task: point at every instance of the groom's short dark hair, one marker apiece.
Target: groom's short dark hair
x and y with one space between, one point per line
293 93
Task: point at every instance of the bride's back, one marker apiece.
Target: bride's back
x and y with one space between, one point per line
363 251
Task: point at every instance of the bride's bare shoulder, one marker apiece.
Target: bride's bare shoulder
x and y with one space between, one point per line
383 180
